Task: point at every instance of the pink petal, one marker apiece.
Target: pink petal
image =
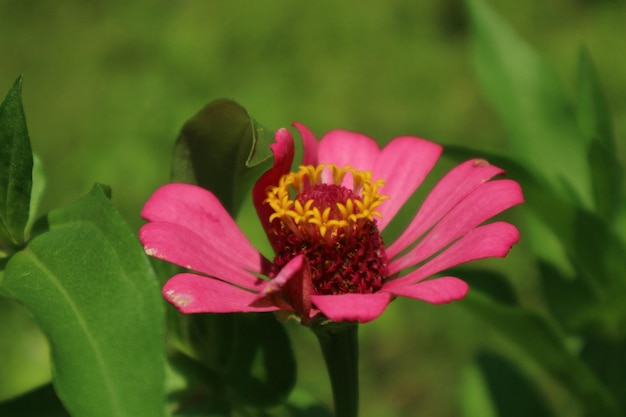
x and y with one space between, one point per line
435 291
283 157
196 212
485 202
310 143
291 289
191 293
352 307
451 189
490 240
341 148
403 164
186 248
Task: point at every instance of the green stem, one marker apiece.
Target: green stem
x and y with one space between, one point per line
340 346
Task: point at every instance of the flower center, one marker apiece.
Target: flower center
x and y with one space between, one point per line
328 214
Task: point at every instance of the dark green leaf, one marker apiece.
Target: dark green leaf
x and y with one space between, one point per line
41 402
567 297
594 120
223 150
598 252
513 394
608 359
92 290
248 355
262 368
540 121
198 391
491 283
537 337
16 166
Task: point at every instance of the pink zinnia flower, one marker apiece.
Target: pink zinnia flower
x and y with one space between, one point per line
324 222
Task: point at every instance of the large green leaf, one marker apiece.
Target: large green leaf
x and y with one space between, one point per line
16 166
540 121
222 149
538 338
92 290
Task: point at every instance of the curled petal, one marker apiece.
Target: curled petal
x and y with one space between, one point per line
310 144
352 307
403 164
449 191
191 293
490 240
485 202
435 291
283 157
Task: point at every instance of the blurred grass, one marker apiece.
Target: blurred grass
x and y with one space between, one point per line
107 86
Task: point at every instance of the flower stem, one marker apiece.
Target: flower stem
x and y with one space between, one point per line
340 346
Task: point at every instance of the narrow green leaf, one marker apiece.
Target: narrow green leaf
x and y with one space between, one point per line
91 289
475 398
540 121
537 337
594 117
41 402
513 394
16 166
223 150
594 120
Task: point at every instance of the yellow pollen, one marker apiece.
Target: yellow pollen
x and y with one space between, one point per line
306 218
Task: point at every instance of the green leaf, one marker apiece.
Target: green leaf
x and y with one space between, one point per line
248 355
41 402
475 397
538 338
513 394
262 369
223 150
91 289
594 120
16 166
569 298
540 121
607 359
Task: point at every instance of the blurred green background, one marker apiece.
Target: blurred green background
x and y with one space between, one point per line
107 86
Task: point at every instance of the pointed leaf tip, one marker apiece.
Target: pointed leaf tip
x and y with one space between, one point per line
16 167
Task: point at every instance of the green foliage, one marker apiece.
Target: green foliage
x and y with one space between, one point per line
83 277
537 337
564 155
16 165
41 402
90 287
514 394
222 149
540 121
